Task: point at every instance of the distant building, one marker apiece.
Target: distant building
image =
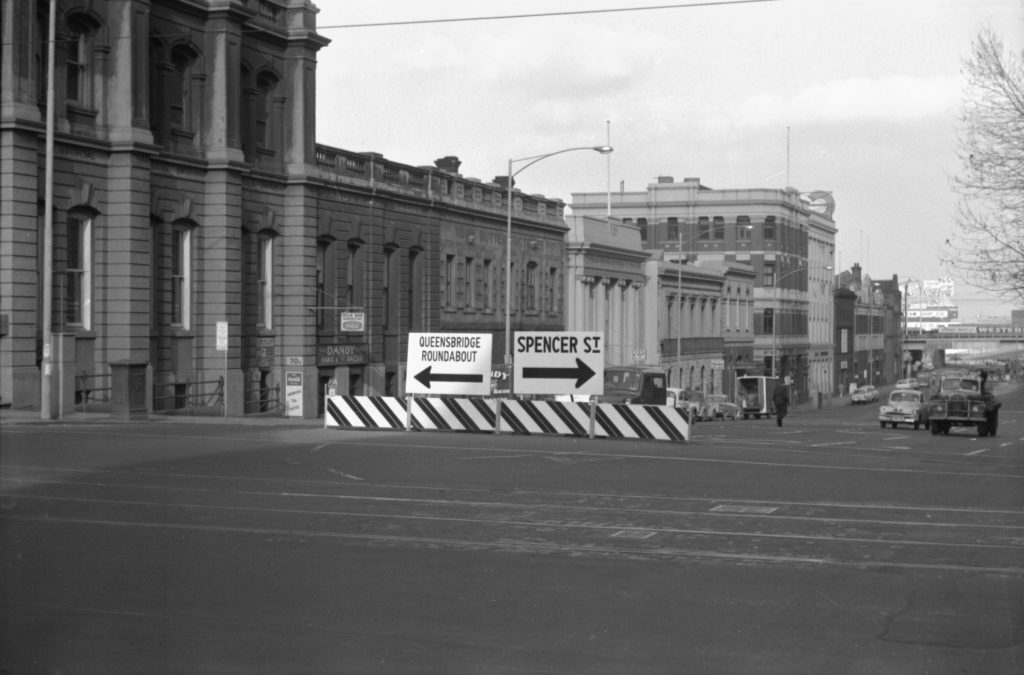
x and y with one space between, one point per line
786 237
872 352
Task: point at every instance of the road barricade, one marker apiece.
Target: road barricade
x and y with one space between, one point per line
513 416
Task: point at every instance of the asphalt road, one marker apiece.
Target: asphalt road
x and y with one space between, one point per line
829 545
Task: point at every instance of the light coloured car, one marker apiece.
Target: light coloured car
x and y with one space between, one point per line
718 406
864 394
909 383
905 406
685 399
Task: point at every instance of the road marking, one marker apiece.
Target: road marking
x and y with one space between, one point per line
977 452
634 534
667 553
744 508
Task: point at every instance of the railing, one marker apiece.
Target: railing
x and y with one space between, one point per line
264 401
92 391
190 398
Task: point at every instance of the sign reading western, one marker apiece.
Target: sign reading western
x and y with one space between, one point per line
551 362
448 363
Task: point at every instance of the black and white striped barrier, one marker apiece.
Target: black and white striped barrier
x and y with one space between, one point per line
479 415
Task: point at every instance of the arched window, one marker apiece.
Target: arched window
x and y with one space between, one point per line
180 95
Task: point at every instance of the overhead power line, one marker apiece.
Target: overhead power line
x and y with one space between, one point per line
502 17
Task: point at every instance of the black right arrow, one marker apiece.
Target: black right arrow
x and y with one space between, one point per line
582 372
425 377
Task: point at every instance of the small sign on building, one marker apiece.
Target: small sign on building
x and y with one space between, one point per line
352 322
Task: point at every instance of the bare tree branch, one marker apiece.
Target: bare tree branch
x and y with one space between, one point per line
988 248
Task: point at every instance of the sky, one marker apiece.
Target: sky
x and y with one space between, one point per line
861 98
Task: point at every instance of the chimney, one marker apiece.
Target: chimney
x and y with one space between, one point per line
503 182
448 164
855 270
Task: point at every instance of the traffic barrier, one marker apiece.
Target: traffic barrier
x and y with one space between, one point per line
527 417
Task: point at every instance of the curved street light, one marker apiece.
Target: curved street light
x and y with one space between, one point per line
530 161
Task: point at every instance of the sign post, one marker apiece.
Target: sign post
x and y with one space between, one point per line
554 362
222 346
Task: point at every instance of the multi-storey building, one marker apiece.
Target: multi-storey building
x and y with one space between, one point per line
786 237
874 350
192 210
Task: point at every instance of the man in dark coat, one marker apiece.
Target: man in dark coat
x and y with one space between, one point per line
781 401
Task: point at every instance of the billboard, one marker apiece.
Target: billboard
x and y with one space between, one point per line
931 293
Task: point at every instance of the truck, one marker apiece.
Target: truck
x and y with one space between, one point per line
961 400
755 394
641 385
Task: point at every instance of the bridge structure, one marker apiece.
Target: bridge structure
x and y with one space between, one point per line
967 347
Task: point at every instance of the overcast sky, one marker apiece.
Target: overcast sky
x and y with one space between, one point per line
870 91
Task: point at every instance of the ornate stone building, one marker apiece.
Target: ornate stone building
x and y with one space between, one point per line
193 210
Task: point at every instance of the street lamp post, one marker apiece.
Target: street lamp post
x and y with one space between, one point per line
530 161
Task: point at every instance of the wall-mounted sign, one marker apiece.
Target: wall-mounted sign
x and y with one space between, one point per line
353 322
342 355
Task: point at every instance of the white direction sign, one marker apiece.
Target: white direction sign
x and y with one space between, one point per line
448 363
554 362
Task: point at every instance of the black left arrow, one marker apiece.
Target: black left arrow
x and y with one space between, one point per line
425 377
582 372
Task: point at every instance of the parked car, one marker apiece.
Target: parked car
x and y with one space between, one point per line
909 383
864 394
718 406
905 406
690 401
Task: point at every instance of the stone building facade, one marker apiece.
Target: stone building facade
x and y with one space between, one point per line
192 205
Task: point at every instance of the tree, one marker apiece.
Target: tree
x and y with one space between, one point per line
988 249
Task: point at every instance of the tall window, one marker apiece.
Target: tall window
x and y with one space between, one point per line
718 228
768 274
390 285
79 60
488 284
449 281
743 228
265 283
703 228
552 290
673 228
769 227
467 282
354 275
415 290
530 301
76 295
323 249
180 89
181 265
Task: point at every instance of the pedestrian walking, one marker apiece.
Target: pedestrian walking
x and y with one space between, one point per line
781 401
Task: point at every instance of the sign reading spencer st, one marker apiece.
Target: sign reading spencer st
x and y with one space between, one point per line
448 363
552 362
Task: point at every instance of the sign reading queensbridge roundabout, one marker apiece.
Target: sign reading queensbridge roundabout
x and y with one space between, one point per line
448 364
